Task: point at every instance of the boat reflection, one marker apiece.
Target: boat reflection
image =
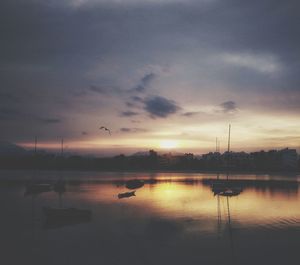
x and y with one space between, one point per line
36 188
64 216
222 190
59 217
59 186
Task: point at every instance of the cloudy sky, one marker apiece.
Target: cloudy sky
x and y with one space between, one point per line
158 73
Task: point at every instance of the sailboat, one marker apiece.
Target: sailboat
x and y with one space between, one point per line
224 187
62 216
230 192
34 187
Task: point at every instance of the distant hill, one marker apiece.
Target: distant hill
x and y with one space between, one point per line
7 148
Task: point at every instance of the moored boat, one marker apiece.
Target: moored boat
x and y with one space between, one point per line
126 194
134 184
230 192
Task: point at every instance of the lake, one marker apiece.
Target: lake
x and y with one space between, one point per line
175 218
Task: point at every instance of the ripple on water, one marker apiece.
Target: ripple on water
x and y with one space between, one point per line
271 224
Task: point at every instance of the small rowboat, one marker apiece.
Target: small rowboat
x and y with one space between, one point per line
134 184
126 194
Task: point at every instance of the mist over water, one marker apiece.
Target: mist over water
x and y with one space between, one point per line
175 218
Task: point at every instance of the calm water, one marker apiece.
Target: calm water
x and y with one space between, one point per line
173 219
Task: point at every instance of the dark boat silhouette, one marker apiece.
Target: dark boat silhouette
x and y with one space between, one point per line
134 184
126 194
37 188
225 188
230 192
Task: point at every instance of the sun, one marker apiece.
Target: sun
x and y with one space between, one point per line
168 144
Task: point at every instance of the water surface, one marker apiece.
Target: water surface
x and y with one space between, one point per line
173 219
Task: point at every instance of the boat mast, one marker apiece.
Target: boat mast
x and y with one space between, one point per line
62 146
228 150
35 144
229 138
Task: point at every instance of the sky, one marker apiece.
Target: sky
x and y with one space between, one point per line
160 74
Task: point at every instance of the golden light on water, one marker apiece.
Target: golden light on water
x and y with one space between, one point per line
197 201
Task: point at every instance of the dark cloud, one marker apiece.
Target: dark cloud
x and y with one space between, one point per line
9 114
104 89
128 113
135 121
191 113
130 104
228 106
160 107
8 97
135 102
84 133
144 82
132 130
98 89
50 120
137 99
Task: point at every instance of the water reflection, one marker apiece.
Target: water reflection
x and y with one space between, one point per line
59 217
173 219
36 188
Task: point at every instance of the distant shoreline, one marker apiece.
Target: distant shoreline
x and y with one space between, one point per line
211 172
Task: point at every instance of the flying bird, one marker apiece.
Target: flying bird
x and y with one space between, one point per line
106 129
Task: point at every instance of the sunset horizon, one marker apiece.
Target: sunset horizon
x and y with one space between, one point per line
150 132
181 77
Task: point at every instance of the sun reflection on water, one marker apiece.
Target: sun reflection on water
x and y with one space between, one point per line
175 199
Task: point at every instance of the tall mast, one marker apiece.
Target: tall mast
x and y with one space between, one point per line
229 138
228 149
35 144
62 146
